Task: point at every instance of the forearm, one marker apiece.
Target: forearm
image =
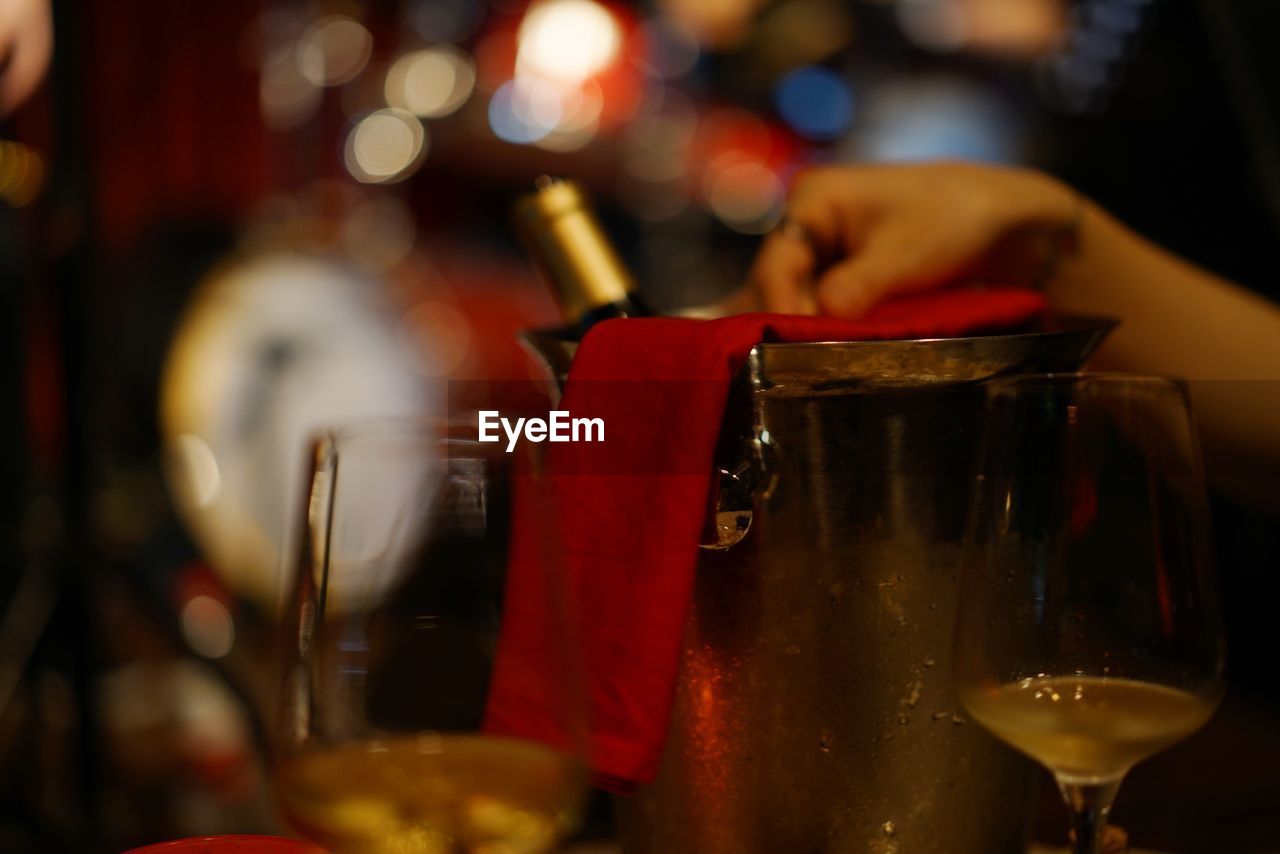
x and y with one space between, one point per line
1180 320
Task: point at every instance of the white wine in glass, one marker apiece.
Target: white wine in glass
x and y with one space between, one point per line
1088 634
1088 729
395 615
430 793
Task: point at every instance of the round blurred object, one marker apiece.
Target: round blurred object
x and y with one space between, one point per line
524 111
747 197
21 173
379 231
437 337
269 351
936 117
816 102
431 83
286 94
797 33
344 47
1022 29
207 626
671 48
567 41
385 146
732 130
717 24
933 24
579 122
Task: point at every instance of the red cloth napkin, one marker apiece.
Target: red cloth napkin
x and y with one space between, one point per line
631 511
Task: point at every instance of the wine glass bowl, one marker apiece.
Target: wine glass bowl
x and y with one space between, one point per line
1088 634
394 620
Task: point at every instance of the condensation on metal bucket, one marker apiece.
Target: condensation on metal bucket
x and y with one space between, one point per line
815 710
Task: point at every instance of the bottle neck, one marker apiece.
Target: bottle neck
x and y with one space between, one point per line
573 252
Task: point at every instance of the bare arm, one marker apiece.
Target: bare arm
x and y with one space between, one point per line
1183 321
877 231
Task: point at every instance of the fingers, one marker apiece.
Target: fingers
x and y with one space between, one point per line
740 301
825 221
891 230
851 288
26 42
782 275
889 262
785 268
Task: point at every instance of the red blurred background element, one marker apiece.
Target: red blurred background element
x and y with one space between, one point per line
171 103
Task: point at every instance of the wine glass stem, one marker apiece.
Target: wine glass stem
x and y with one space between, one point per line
1090 804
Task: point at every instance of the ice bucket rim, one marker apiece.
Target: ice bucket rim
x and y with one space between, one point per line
1057 342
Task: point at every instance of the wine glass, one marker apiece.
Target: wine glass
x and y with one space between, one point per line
393 628
1088 634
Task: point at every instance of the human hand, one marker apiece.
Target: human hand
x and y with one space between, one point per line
26 45
856 235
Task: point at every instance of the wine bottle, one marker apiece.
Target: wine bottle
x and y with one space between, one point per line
575 256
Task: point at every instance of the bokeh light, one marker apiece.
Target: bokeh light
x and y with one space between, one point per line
21 173
816 102
567 41
437 338
580 110
430 83
385 146
936 117
933 24
671 48
380 231
344 46
745 196
207 626
286 93
524 111
733 130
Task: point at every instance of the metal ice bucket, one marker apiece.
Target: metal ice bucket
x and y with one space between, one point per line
815 710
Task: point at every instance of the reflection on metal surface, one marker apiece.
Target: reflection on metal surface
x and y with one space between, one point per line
815 710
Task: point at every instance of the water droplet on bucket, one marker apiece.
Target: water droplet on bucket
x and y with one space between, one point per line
888 828
825 740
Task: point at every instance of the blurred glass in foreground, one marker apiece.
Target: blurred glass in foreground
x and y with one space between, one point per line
394 622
